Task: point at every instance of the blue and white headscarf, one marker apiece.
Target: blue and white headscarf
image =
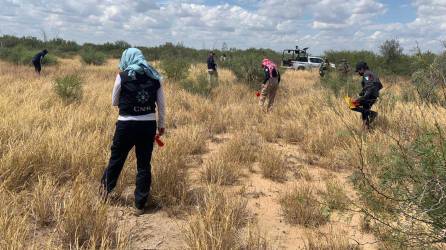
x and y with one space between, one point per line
133 61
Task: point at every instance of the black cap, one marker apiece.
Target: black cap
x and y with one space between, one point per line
361 65
45 51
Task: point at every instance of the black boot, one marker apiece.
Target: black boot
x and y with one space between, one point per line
372 116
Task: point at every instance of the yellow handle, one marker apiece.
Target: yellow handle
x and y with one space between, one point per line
349 102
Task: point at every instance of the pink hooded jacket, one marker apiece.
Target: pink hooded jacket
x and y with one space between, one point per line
269 65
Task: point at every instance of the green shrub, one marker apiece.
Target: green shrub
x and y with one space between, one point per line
200 86
352 57
175 69
391 62
406 187
16 55
394 60
23 56
69 87
246 67
246 64
168 51
430 81
92 56
114 49
49 59
340 85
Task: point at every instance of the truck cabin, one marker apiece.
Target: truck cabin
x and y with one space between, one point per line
291 55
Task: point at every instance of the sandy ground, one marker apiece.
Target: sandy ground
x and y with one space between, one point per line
156 230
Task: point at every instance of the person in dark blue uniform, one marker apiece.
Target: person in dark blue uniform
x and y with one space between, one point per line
371 85
212 68
37 60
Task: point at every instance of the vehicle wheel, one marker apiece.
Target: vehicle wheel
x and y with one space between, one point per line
301 68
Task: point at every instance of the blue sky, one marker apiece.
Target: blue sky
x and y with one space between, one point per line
277 24
398 11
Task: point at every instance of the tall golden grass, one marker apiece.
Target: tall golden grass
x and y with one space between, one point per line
331 240
218 221
301 206
52 153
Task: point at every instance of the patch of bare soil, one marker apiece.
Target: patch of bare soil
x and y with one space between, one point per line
156 230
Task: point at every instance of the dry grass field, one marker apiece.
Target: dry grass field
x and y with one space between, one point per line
229 177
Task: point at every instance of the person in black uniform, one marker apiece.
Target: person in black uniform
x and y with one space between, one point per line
371 85
138 93
37 60
212 68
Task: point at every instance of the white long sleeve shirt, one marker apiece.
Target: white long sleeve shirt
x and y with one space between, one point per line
160 104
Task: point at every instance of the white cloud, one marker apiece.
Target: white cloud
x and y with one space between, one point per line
338 14
277 24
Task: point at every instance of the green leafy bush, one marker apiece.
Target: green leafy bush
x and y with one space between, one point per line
92 56
69 87
352 57
175 69
49 60
246 68
62 48
23 56
246 64
200 86
114 49
430 82
404 188
340 85
392 61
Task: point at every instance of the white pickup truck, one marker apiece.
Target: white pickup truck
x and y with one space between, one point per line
309 62
300 59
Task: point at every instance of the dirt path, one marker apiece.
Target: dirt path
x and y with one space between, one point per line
156 230
263 201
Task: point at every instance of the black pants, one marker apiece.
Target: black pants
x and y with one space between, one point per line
364 108
128 134
37 66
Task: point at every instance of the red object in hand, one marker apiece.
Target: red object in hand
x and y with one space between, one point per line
355 102
258 93
158 141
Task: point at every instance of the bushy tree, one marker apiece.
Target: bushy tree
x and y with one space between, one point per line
175 69
391 50
404 188
353 57
92 56
246 64
430 81
22 56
